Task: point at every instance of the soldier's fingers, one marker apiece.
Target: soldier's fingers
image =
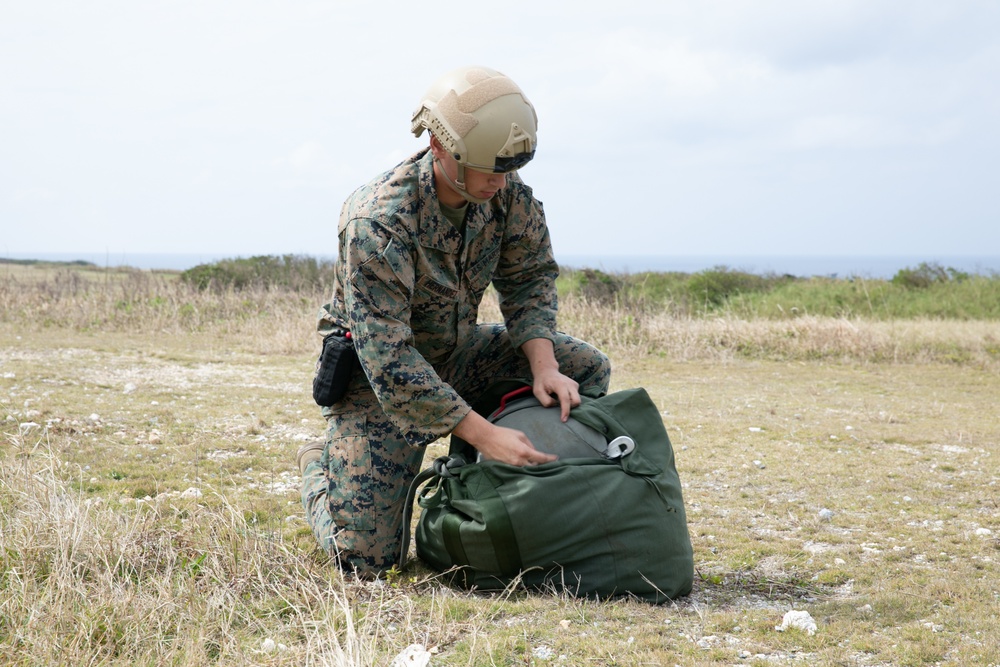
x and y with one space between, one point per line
538 457
565 403
544 397
569 399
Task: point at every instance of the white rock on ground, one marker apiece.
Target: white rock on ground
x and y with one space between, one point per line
413 655
797 620
543 653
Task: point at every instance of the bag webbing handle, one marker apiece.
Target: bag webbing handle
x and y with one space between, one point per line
411 493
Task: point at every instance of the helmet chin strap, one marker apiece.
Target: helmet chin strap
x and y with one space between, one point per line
459 184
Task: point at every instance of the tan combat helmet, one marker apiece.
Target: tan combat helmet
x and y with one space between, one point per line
482 118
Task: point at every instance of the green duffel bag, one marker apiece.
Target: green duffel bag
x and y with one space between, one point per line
605 520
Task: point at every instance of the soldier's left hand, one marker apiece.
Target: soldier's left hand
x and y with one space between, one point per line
552 387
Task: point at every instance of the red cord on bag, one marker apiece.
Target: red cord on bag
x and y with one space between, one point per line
517 393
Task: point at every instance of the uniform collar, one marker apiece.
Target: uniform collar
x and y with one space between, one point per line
434 229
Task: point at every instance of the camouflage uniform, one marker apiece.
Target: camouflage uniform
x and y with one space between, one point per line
408 286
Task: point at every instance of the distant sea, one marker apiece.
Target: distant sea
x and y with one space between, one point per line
864 266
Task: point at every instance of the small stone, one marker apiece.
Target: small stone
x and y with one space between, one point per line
129 388
543 653
825 514
797 620
413 655
983 532
268 646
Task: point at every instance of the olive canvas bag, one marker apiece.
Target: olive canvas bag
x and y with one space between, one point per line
605 520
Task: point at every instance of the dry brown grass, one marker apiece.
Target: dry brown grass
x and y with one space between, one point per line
642 334
279 321
272 321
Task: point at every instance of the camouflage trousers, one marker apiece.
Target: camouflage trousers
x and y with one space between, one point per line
354 495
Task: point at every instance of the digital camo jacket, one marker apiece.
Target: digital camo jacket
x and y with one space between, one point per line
409 288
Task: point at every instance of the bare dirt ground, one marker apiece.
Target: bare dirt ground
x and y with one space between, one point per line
863 494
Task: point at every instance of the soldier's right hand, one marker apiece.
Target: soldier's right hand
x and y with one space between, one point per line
511 446
497 443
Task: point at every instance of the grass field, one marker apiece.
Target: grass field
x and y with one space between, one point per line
149 508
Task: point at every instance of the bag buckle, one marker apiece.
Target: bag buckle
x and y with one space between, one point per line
619 447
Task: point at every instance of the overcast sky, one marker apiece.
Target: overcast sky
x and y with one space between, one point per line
762 127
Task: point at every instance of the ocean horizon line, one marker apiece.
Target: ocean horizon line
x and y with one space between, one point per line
834 266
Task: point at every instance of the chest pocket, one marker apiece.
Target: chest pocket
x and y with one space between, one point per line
480 273
433 317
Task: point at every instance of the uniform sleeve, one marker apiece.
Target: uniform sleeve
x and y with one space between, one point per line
377 295
527 271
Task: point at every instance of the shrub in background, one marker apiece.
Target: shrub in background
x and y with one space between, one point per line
262 271
714 287
927 274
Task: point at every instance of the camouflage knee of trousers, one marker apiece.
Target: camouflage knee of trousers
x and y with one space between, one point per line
354 495
489 356
583 362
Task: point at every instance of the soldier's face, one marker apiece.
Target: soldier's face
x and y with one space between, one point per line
482 184
477 183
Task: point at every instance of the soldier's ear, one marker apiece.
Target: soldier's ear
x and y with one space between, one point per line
437 149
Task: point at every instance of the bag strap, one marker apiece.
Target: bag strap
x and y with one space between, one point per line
498 524
441 468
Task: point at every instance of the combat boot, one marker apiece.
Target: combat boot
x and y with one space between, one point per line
309 452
